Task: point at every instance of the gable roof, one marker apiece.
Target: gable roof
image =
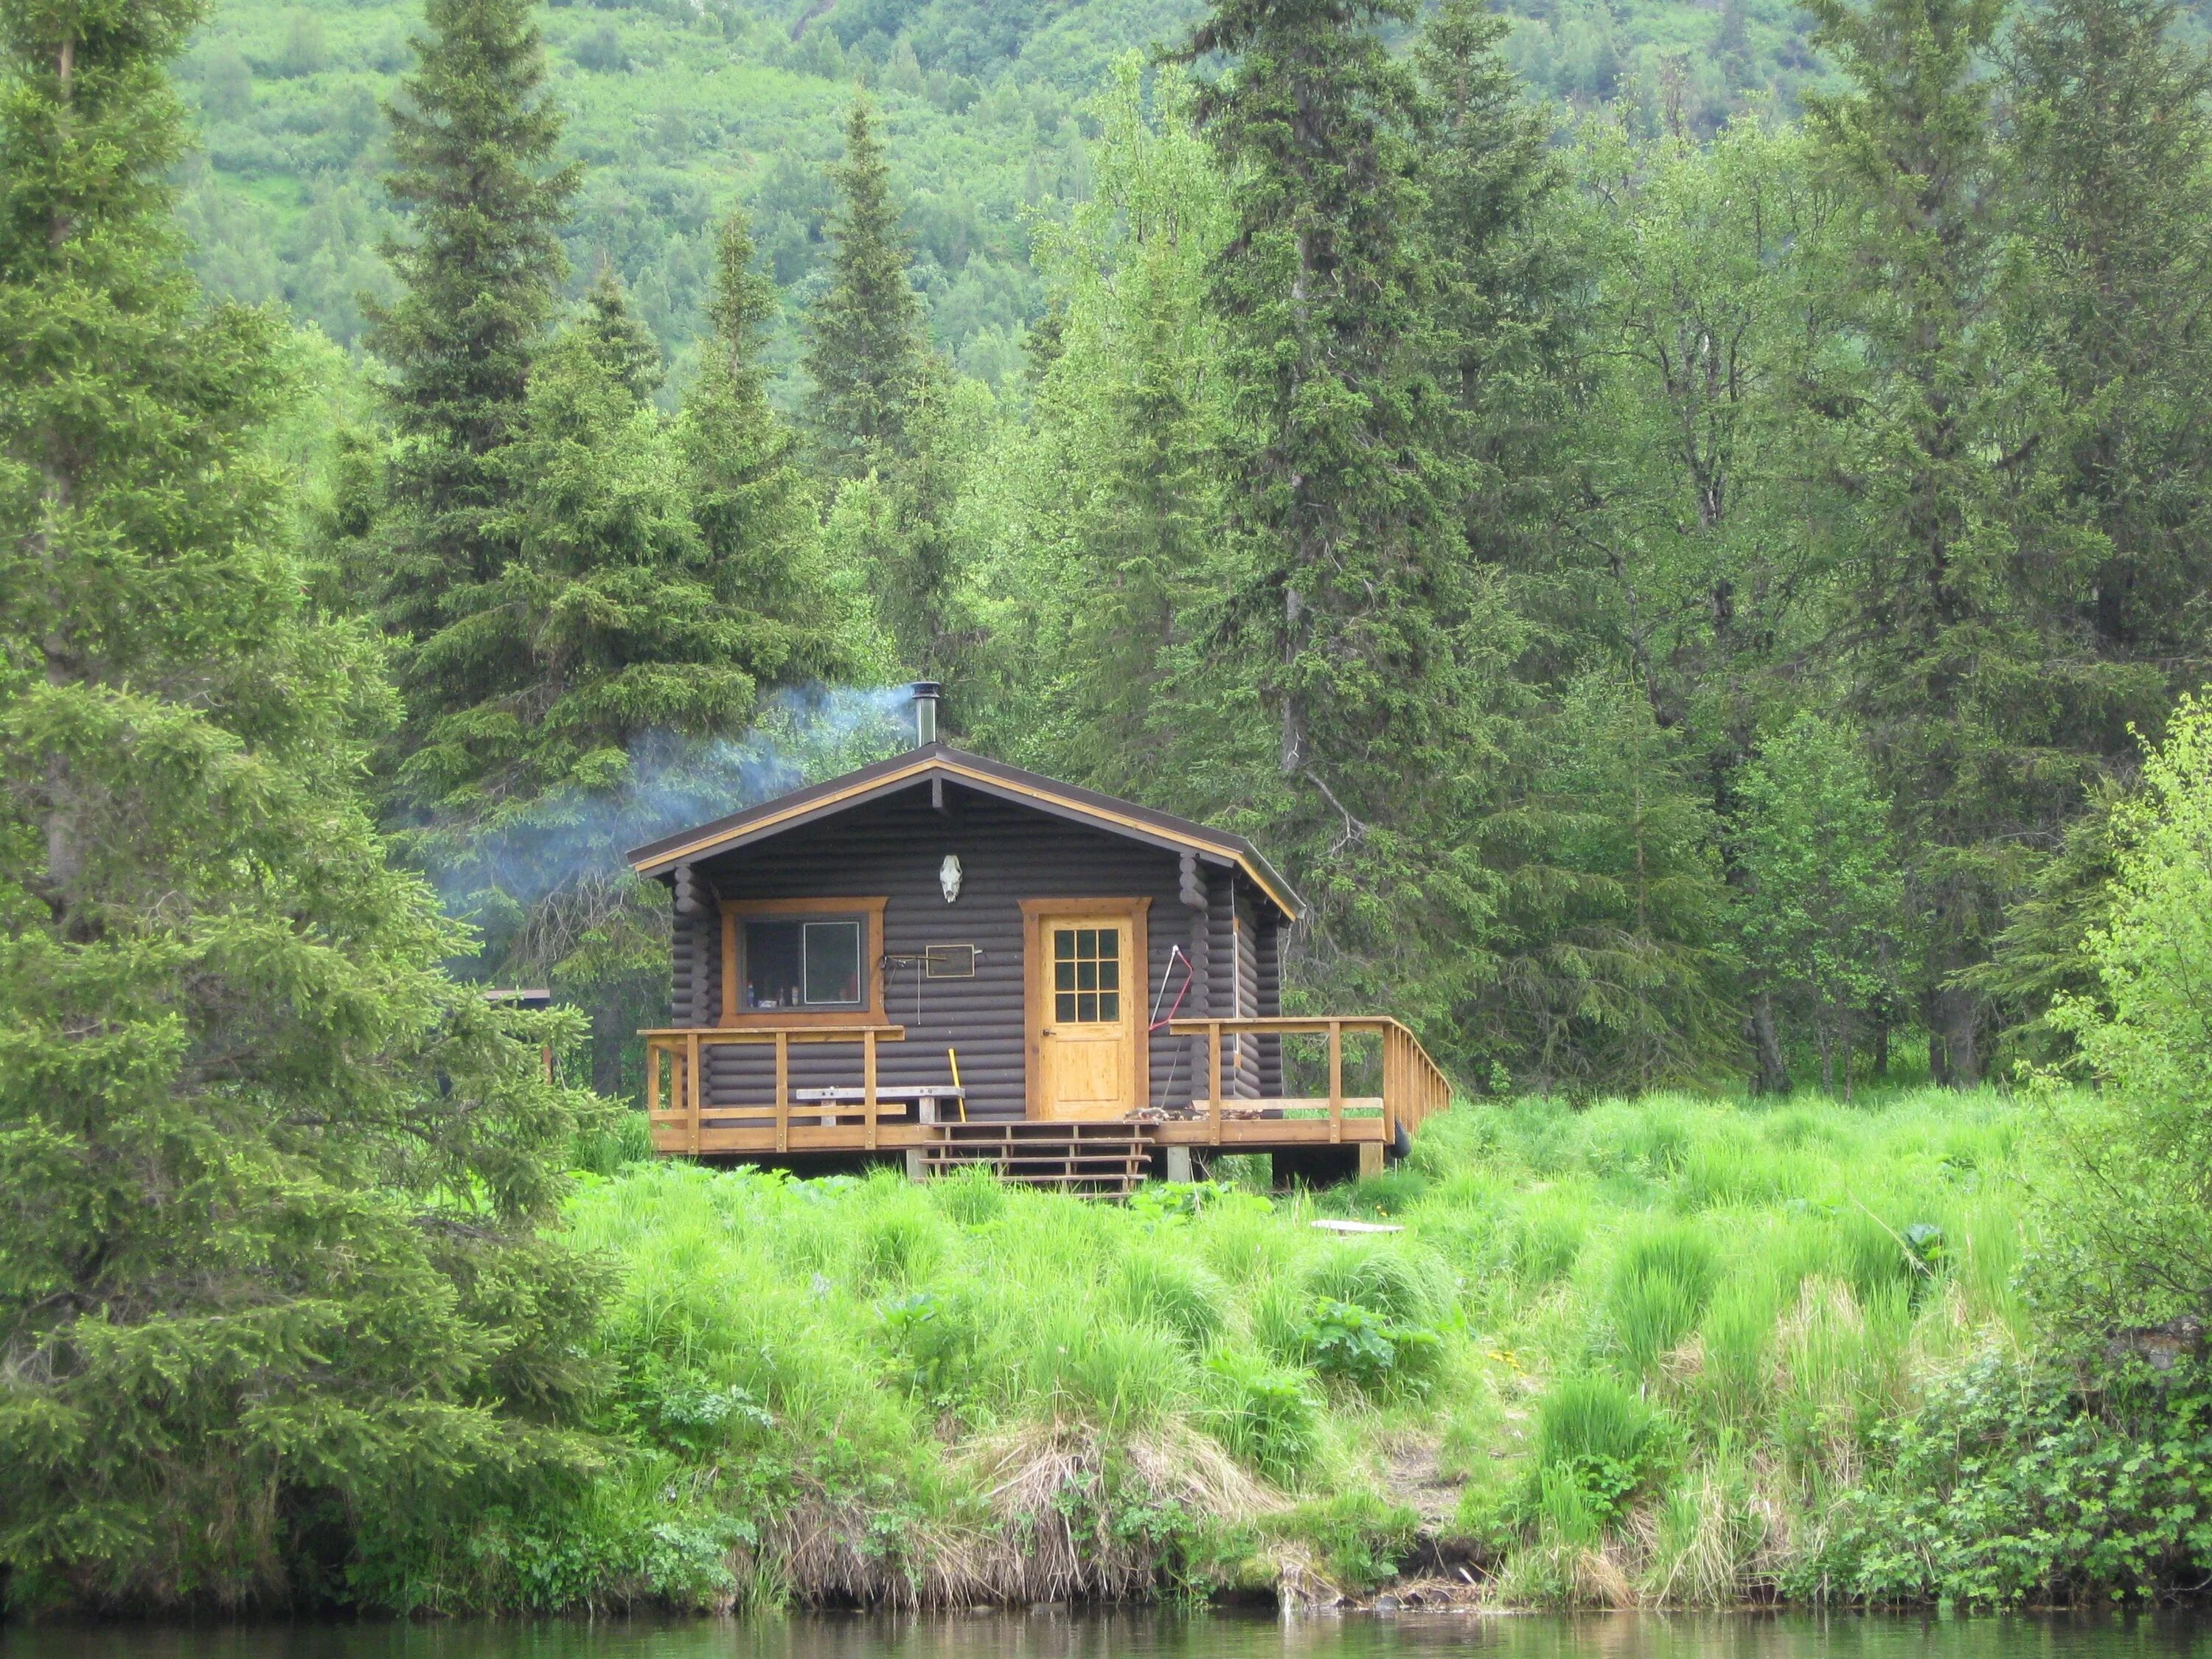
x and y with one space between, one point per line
989 777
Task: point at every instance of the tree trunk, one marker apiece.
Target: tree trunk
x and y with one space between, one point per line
609 1033
1774 1070
1956 1029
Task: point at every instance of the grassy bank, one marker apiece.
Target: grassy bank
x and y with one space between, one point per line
1647 1352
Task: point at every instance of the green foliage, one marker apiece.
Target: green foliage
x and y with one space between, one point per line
1609 967
1820 920
273 1291
1358 1346
1661 1282
2011 1485
1596 1444
2137 1151
472 139
865 355
1358 1535
1267 1416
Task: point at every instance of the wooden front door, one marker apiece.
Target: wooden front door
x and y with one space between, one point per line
1086 1010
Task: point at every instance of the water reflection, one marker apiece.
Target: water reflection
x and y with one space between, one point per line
1051 1634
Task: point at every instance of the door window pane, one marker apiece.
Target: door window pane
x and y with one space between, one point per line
1086 976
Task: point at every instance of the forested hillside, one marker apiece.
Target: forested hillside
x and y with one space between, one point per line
681 109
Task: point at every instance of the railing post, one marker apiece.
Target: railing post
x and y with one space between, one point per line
1213 1075
1389 1034
692 1068
1335 1081
868 1083
783 1091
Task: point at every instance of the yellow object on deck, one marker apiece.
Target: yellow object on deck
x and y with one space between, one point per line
953 1059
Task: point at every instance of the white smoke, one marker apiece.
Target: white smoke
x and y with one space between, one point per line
669 783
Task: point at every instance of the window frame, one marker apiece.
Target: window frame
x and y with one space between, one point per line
868 911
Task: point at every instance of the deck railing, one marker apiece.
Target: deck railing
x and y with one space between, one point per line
682 1053
1414 1085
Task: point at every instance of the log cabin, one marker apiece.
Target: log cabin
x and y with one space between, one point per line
951 960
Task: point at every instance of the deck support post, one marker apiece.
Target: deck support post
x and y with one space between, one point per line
1336 1082
1179 1163
868 1085
691 1086
1214 1077
783 1091
1371 1159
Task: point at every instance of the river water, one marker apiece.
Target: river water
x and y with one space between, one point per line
1049 1634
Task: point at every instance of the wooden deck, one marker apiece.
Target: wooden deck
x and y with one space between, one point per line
686 1123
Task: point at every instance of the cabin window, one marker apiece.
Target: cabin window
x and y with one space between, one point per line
1086 976
813 963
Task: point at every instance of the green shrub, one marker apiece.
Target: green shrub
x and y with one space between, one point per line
1266 1415
939 1340
971 1197
1738 1340
1406 1289
1358 1346
897 1247
624 1138
1594 1435
1279 1316
2015 1485
1548 1239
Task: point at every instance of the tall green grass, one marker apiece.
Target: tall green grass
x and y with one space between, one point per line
1654 1338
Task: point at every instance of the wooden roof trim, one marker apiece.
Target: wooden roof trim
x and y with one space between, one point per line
656 858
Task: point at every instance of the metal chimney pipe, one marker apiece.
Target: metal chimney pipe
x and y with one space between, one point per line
927 695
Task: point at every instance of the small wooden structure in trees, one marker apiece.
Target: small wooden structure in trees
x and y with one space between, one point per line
957 960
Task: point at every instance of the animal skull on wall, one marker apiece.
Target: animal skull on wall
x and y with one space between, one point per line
948 877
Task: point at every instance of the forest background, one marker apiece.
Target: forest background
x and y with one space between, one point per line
1789 563
1702 587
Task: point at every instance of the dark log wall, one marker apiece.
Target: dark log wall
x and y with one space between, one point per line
1007 853
1270 991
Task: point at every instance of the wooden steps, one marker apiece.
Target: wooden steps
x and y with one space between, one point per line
1088 1160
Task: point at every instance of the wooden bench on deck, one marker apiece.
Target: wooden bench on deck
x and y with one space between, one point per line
891 1102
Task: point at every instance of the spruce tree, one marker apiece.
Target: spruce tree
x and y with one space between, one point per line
271 1293
865 355
2109 143
749 498
1350 612
1118 470
1500 273
623 345
1940 450
627 619
1607 966
473 136
1822 891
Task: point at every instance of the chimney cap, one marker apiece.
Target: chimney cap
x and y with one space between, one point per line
932 690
